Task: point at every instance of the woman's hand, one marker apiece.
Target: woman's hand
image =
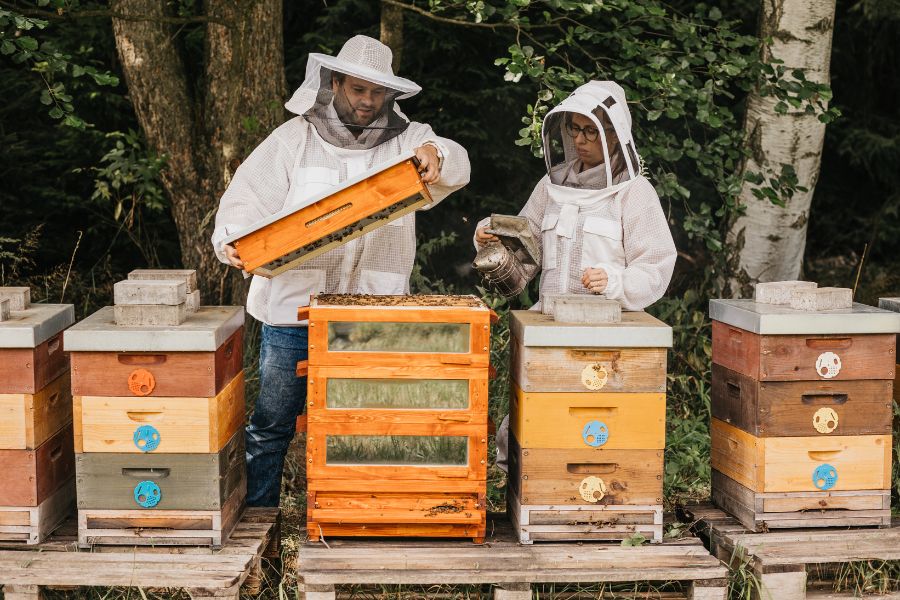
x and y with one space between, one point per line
232 255
595 280
483 237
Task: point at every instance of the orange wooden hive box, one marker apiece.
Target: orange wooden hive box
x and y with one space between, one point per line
325 221
397 416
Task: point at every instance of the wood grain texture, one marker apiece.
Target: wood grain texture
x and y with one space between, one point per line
760 512
149 527
553 476
28 370
32 525
475 413
570 523
545 369
304 227
175 374
786 464
32 476
28 420
187 481
793 357
789 408
422 514
185 425
636 421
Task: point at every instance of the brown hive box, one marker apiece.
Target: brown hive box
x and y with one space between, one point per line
31 350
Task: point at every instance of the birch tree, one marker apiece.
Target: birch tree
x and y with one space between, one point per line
785 141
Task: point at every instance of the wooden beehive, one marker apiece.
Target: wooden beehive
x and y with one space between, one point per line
36 466
158 414
801 406
893 304
587 427
325 221
397 416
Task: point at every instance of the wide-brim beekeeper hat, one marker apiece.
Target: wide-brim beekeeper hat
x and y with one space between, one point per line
361 56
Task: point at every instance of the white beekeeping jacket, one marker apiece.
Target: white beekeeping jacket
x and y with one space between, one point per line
580 221
294 163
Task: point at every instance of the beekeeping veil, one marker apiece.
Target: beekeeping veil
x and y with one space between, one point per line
331 112
604 103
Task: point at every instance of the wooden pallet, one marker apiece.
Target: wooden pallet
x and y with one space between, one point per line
203 573
779 560
504 562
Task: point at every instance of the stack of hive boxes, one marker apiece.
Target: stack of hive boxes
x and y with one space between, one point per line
893 304
158 412
587 427
801 407
36 461
397 416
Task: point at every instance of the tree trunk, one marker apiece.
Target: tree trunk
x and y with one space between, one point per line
204 128
771 239
392 32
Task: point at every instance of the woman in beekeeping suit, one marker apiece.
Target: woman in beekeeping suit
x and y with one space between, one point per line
598 221
348 122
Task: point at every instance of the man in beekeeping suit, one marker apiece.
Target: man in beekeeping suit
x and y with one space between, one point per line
348 122
597 219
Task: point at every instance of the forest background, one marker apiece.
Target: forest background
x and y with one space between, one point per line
105 168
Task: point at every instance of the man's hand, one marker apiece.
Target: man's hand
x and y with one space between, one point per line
429 164
595 280
483 237
232 255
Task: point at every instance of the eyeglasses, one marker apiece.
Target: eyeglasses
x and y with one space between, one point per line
590 133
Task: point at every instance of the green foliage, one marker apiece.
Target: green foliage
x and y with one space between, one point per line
18 43
130 173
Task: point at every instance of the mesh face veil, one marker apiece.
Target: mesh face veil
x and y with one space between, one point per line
350 98
587 139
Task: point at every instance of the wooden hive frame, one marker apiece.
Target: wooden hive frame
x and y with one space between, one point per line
419 500
360 205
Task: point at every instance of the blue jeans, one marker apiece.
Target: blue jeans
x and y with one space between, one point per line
282 397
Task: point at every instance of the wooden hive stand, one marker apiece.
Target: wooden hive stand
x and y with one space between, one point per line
587 427
203 573
781 560
396 441
801 406
37 483
503 562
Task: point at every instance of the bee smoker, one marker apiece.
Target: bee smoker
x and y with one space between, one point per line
508 265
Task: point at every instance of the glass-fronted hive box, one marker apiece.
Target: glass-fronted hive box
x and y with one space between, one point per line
397 416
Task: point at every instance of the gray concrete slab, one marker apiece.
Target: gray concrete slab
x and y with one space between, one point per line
779 292
188 276
193 301
580 308
4 310
889 304
150 291
138 315
202 331
32 327
636 330
827 298
19 297
769 319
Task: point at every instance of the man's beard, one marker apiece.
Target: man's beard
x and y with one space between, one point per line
347 114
